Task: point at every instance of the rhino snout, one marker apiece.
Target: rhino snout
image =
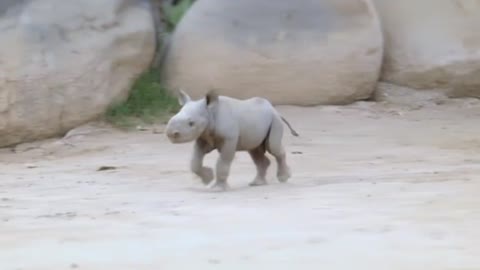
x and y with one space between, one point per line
173 134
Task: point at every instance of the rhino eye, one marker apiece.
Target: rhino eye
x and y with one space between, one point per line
191 123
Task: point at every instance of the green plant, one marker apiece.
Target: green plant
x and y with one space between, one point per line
147 103
174 13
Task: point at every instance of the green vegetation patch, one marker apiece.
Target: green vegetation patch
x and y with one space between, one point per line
173 14
147 103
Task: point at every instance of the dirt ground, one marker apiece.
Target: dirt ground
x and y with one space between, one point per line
374 186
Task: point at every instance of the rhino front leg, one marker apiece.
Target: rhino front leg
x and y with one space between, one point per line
196 165
224 161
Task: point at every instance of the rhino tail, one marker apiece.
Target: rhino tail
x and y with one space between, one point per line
294 133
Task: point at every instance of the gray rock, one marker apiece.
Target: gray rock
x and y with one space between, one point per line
301 52
63 62
432 44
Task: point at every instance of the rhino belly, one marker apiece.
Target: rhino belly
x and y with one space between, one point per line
252 136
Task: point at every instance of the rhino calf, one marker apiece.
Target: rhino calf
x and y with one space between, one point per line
230 125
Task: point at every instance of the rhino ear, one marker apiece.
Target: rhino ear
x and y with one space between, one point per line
211 97
183 97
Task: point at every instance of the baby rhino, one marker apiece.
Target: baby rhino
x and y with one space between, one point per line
229 125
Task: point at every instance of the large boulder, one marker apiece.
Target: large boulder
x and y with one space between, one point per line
303 52
63 62
432 44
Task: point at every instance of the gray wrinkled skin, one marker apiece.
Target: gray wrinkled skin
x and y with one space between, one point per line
229 125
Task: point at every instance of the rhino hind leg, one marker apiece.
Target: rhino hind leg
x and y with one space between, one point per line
261 163
275 147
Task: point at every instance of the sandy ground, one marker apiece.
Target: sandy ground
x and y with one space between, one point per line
375 186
